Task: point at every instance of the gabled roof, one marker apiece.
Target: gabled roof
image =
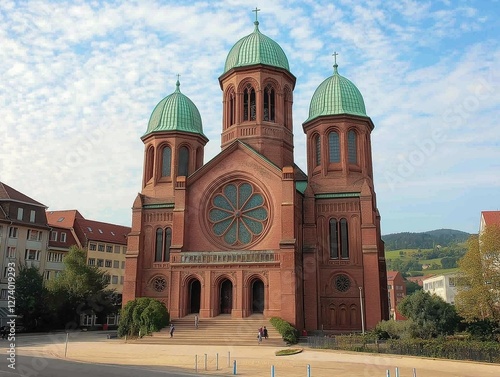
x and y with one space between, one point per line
491 217
89 230
391 275
63 219
8 193
70 238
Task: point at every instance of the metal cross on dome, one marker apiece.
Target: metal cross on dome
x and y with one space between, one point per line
256 10
335 57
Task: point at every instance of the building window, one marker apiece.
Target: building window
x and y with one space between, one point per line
352 147
32 216
334 147
249 109
54 257
47 274
116 264
20 213
342 283
53 235
100 262
5 272
269 100
121 280
123 265
159 245
317 145
91 261
107 278
63 237
232 108
168 243
389 286
334 239
109 249
339 239
3 294
100 247
32 255
11 252
92 247
34 235
108 263
12 232
183 161
124 250
114 279
117 249
166 161
149 163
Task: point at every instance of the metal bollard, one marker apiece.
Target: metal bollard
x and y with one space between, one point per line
414 372
308 370
216 361
272 370
196 363
397 372
205 361
388 374
234 367
228 359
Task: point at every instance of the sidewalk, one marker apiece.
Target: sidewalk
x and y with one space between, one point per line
258 360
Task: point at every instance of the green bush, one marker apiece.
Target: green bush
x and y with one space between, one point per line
142 316
393 329
289 333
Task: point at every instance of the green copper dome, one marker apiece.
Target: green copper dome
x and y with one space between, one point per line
256 48
336 95
175 112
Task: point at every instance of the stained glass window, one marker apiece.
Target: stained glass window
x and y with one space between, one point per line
238 214
352 147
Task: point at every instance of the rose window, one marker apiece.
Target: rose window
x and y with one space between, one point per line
342 283
159 284
238 214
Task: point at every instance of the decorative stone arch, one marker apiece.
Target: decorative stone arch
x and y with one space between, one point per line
224 293
192 287
256 293
248 80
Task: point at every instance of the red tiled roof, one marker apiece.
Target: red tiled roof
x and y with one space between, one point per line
63 219
89 230
391 275
70 239
491 217
8 193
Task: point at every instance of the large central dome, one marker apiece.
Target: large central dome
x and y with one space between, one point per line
256 48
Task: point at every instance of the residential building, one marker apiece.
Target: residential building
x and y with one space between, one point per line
443 286
396 289
249 231
24 235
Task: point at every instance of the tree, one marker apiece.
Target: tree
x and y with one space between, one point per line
142 316
31 297
80 289
411 287
431 316
478 284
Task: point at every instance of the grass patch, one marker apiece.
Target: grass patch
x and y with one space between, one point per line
289 351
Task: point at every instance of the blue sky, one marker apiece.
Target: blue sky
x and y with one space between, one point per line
80 79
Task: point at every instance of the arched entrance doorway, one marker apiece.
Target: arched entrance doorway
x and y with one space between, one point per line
226 297
194 296
257 296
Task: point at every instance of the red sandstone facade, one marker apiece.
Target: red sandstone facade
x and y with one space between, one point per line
249 232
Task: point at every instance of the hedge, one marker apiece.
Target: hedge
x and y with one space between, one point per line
289 333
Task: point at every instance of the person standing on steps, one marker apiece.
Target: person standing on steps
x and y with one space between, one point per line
259 336
172 329
196 321
265 334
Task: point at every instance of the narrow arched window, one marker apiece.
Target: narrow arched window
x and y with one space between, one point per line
249 110
269 103
159 245
344 239
232 108
352 147
317 144
168 243
334 240
334 147
183 161
287 118
149 163
166 161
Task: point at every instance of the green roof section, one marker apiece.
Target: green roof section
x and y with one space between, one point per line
336 195
256 48
158 205
301 186
176 112
336 95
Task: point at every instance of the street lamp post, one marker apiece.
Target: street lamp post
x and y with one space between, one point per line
362 310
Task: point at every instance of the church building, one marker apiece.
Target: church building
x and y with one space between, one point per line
248 231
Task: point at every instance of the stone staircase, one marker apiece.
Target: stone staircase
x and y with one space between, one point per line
220 330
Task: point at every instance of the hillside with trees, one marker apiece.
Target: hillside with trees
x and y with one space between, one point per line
424 240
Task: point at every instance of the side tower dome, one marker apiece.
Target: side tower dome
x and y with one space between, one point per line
176 112
336 95
256 48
